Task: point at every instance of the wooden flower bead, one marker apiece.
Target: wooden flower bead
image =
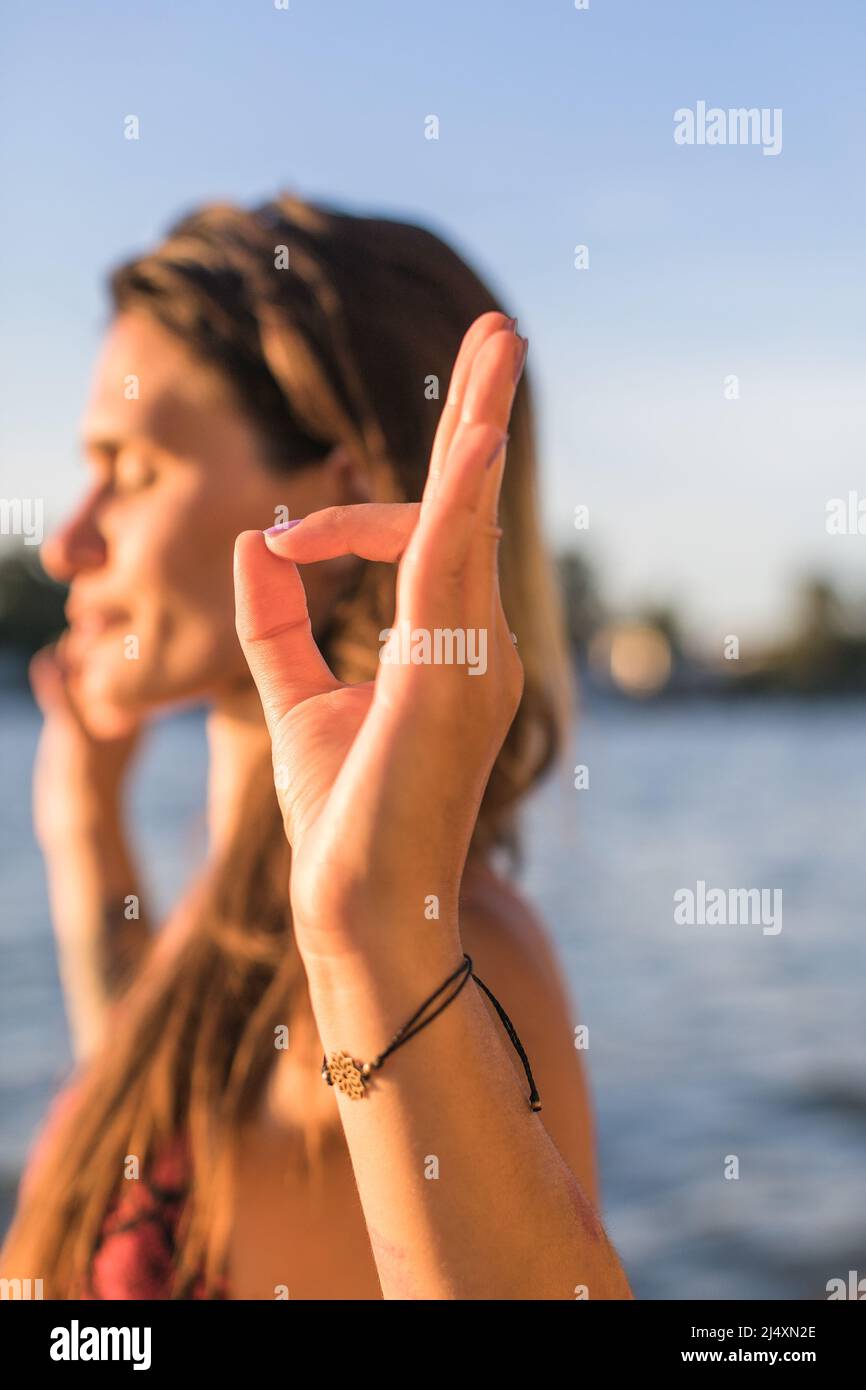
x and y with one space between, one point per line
347 1075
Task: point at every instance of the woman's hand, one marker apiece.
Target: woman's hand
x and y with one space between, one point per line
79 774
380 784
380 787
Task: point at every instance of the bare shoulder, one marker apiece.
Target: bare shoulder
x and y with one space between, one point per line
504 935
514 954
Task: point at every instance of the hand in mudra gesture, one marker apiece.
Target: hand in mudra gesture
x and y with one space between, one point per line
380 783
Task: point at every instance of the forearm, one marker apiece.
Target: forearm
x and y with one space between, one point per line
99 925
464 1193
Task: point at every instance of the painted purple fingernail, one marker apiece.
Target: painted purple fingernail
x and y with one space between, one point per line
497 451
521 360
512 324
283 526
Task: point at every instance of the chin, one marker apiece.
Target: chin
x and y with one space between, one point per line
131 696
138 689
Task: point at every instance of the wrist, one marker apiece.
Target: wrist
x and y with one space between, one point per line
398 958
90 865
82 822
359 999
346 935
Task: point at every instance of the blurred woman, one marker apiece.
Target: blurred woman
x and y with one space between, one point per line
271 387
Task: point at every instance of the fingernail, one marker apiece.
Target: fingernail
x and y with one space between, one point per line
521 360
497 451
512 324
283 526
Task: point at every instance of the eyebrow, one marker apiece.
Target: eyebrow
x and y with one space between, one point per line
99 444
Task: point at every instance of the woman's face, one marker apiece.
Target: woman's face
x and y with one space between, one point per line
175 472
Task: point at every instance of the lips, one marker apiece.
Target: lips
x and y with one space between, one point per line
91 620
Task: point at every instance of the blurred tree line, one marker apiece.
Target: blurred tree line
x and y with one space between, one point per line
825 655
31 604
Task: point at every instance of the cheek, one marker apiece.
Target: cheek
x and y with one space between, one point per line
177 574
192 578
189 609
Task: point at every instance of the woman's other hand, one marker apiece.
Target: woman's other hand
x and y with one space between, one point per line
79 774
99 924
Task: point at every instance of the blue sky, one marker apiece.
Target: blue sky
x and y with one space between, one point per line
556 128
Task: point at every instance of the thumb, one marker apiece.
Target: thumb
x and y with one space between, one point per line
273 626
47 683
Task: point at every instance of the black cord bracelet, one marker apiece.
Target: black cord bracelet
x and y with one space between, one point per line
352 1077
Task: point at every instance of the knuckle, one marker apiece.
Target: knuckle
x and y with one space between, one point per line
338 516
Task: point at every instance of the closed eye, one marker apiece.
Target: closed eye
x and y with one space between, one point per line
118 467
132 472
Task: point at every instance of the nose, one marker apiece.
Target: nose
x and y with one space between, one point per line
76 545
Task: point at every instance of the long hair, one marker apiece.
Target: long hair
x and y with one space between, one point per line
329 328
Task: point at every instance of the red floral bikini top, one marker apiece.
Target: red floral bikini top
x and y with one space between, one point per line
137 1251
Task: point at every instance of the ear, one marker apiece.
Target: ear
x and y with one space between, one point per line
349 477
